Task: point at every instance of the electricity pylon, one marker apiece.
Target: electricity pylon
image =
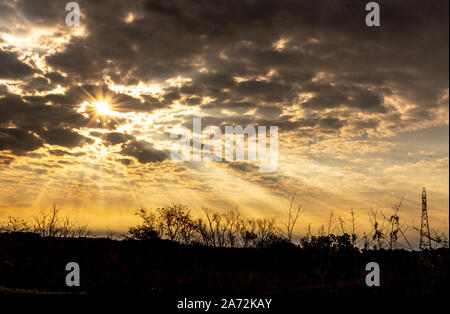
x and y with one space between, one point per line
425 237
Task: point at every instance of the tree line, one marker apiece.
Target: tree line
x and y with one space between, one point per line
48 223
232 229
175 222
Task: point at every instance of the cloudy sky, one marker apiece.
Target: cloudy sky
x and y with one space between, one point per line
86 111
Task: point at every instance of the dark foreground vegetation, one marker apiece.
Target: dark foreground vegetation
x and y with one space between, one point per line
171 252
29 261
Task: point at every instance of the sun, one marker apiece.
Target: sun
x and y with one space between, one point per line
102 107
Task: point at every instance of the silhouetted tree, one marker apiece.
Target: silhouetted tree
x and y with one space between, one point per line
247 232
378 238
15 225
148 230
354 226
395 229
294 212
265 231
50 223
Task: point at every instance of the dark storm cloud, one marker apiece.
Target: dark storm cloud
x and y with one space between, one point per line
31 116
318 123
31 113
329 96
64 137
143 151
125 161
39 84
115 138
41 13
228 49
269 111
18 141
216 108
60 152
12 68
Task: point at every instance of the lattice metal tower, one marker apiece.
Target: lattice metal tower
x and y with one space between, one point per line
425 237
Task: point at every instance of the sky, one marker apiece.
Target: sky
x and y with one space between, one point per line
86 111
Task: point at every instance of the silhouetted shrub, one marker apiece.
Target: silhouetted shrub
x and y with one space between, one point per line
329 242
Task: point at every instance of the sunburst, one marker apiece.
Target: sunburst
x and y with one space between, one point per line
102 107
